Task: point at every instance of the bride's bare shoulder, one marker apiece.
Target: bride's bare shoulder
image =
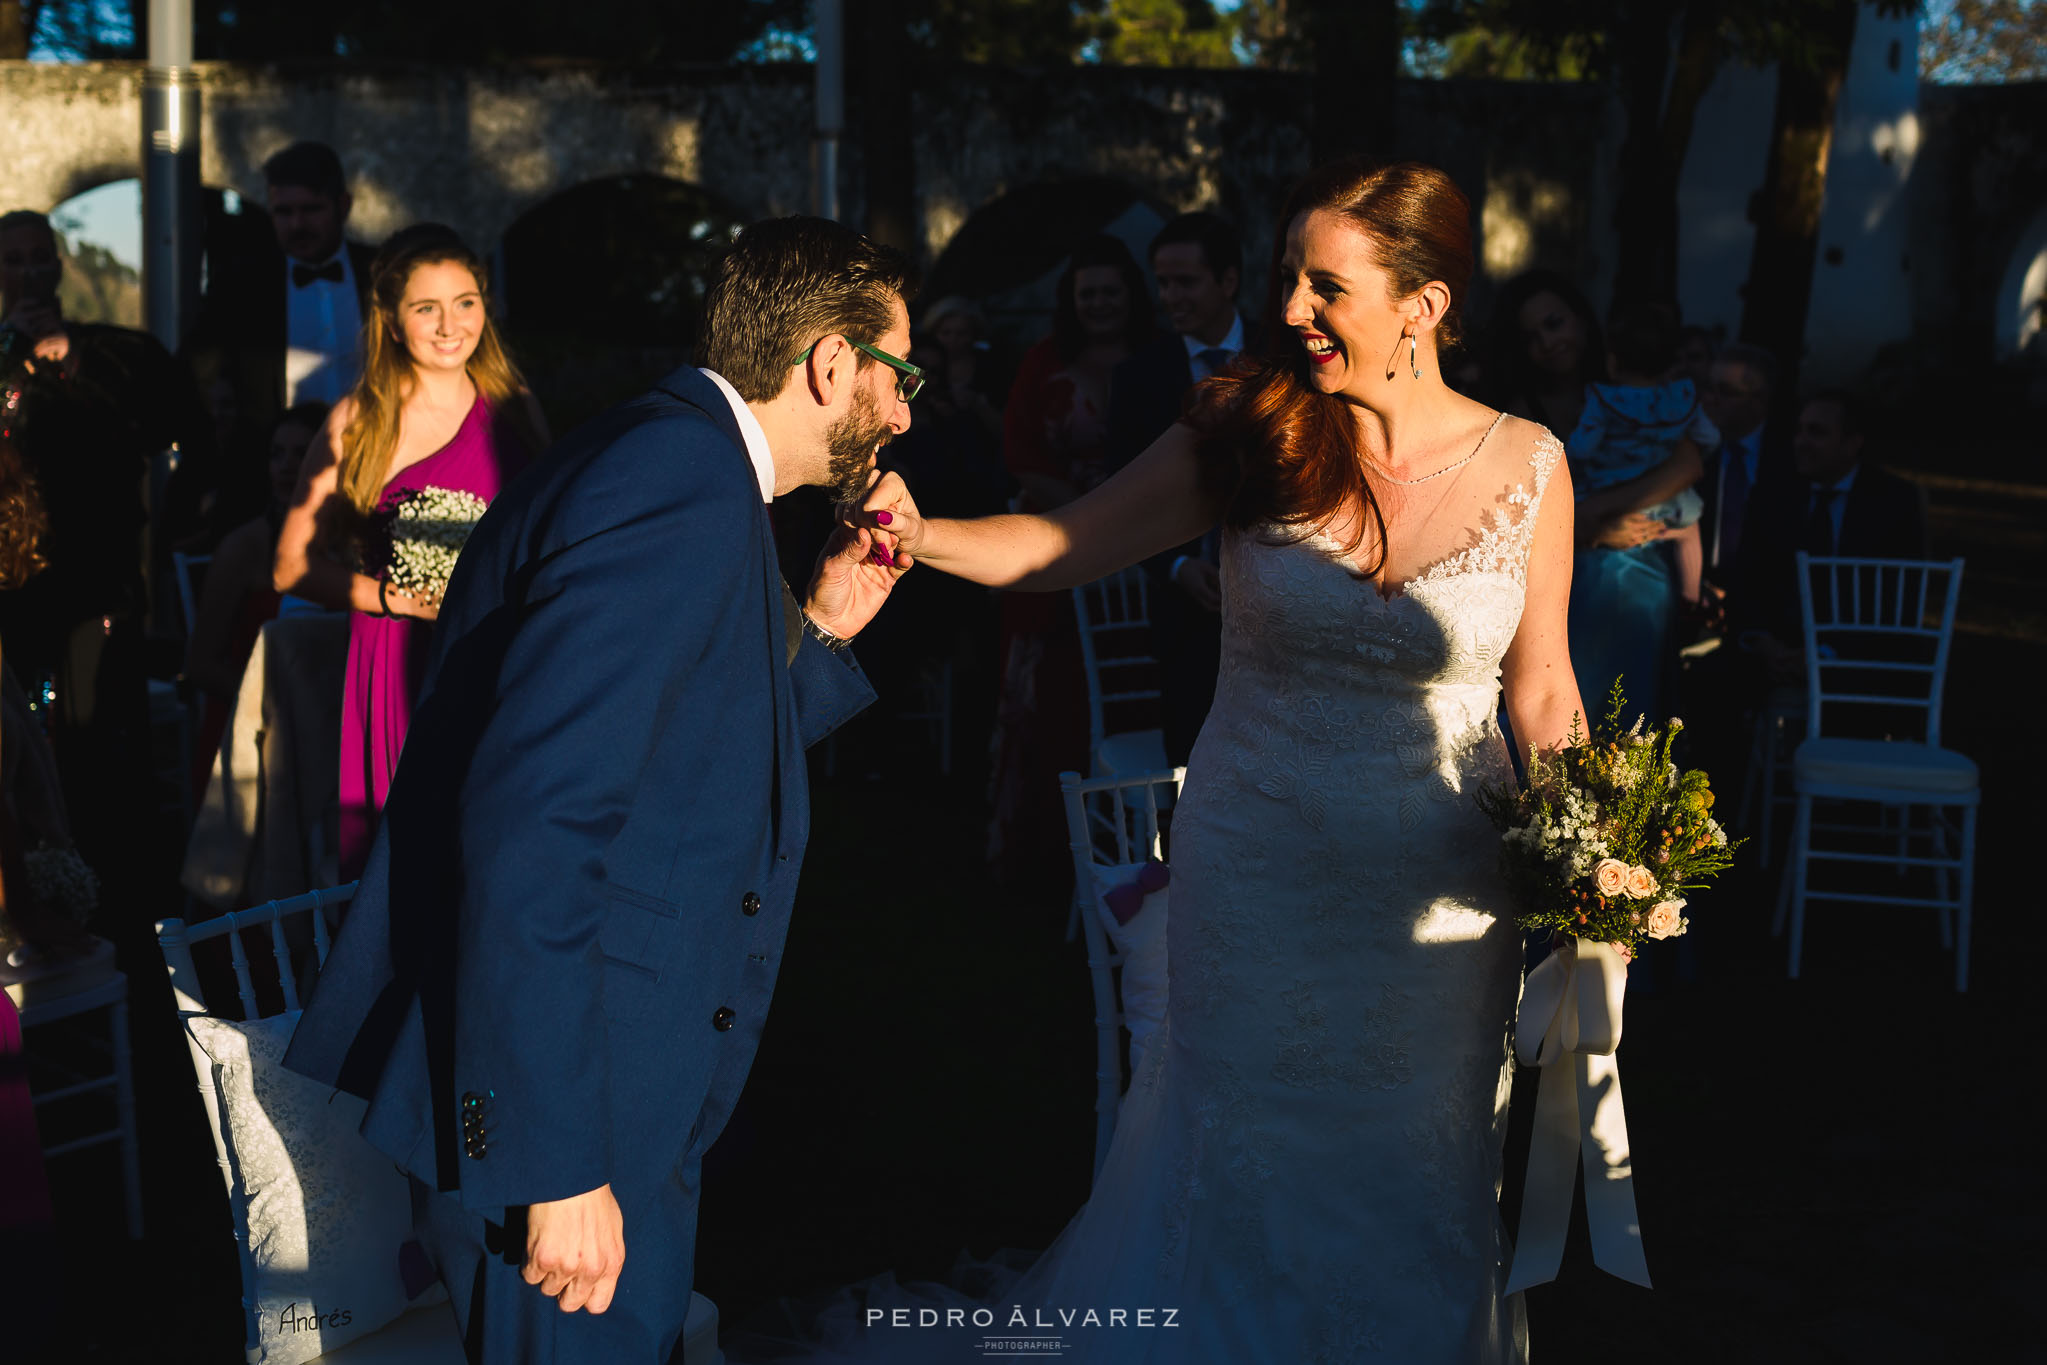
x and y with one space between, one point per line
1524 436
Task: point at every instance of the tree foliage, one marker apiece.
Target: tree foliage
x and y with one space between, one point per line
466 31
1979 42
1020 33
1201 33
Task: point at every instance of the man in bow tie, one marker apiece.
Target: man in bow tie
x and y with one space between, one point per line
284 328
1197 260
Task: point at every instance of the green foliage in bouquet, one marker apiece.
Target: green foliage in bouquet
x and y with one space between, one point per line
1608 835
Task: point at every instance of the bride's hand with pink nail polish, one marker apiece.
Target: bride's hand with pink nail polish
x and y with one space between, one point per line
890 512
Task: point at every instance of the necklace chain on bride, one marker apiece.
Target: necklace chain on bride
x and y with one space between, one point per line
1457 464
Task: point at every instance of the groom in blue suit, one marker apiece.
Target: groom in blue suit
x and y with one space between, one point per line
554 975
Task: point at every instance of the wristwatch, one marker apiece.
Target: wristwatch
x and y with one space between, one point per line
834 643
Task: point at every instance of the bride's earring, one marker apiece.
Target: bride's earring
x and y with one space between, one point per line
1413 363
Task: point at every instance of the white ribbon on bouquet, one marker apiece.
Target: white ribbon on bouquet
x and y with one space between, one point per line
1569 1025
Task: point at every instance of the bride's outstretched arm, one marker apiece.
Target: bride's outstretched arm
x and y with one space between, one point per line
1541 690
1154 503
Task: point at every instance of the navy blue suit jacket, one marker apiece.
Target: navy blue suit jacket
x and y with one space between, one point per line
577 901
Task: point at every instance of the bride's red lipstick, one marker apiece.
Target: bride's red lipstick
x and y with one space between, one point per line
1326 356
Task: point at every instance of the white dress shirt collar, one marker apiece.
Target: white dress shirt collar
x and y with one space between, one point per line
1233 342
750 431
1842 484
322 333
1837 505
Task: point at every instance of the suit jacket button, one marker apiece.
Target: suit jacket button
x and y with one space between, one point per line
722 1020
749 904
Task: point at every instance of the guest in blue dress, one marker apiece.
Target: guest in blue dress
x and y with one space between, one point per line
1636 450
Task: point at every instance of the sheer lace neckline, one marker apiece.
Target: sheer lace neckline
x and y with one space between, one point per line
1497 544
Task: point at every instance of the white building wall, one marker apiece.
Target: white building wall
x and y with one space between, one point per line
1861 296
1861 289
1723 169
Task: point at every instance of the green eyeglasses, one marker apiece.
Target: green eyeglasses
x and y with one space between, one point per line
909 378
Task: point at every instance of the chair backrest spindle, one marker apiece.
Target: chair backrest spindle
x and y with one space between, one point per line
239 955
1848 648
1119 605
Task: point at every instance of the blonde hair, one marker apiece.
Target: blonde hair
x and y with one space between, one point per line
387 369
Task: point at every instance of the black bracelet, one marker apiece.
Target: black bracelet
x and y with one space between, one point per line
383 601
834 643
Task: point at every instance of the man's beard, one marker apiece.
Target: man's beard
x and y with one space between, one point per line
848 444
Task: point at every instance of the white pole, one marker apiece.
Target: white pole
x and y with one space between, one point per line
831 105
170 174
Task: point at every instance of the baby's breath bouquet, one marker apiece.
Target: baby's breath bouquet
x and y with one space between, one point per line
428 528
62 882
1608 834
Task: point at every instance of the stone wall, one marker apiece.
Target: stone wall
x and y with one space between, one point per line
477 147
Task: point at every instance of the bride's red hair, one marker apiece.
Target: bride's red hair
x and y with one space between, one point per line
1282 453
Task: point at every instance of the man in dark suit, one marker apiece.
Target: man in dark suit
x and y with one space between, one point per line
1832 502
555 973
1741 382
283 327
1197 260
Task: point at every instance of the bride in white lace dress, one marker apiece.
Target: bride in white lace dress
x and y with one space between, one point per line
1306 1167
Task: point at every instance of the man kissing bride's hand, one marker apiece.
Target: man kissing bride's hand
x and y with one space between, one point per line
860 564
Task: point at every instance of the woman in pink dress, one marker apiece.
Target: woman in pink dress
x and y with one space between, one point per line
439 405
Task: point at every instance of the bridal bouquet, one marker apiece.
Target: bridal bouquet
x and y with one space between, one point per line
1608 835
428 529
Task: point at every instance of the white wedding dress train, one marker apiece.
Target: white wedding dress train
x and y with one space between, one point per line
1306 1168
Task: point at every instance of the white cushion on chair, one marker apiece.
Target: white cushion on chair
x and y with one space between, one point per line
1892 764
41 978
1142 945
323 1213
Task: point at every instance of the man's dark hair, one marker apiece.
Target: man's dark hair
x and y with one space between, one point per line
789 282
1219 243
1855 420
1751 356
1642 336
307 166
21 218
